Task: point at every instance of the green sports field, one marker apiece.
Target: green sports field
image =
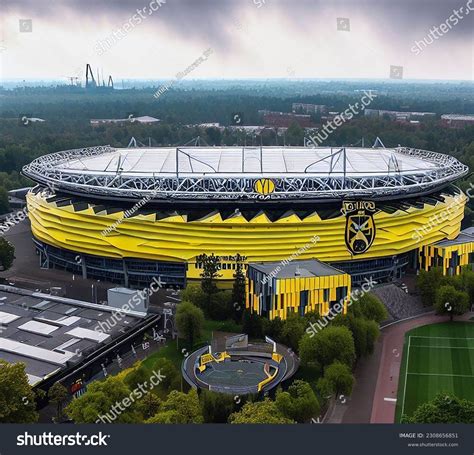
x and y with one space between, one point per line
436 358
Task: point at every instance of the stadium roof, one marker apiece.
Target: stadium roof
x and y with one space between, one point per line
232 172
236 160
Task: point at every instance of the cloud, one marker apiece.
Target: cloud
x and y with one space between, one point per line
301 32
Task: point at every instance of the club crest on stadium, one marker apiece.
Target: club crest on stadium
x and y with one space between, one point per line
360 225
264 186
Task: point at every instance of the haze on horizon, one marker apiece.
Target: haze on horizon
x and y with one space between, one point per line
247 38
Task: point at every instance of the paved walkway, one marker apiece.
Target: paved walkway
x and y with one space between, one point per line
392 338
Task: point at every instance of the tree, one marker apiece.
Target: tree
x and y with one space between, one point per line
299 402
371 307
451 301
221 307
294 134
170 374
58 394
138 375
252 324
264 411
179 407
189 322
364 332
7 254
216 407
272 328
427 283
17 400
339 378
444 408
294 327
327 346
467 283
103 402
239 289
210 273
193 293
4 205
149 405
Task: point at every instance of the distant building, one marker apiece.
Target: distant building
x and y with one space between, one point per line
457 120
145 119
285 119
209 125
302 108
398 115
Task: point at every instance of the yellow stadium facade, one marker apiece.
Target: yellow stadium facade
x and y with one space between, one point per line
84 228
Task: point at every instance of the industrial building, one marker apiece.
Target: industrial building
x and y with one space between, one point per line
144 119
64 339
128 215
457 120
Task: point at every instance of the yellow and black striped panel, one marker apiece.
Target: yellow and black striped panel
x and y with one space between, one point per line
172 237
286 298
442 256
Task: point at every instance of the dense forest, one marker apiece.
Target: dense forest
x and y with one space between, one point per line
68 110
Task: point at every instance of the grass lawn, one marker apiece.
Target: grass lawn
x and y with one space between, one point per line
173 350
436 358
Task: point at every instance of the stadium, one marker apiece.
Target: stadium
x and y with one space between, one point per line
128 214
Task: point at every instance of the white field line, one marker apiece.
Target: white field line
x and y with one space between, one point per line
441 338
444 374
406 377
442 347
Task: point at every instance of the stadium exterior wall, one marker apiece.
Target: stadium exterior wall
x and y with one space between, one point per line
174 239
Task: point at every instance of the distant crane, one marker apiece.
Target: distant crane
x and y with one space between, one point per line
92 82
74 80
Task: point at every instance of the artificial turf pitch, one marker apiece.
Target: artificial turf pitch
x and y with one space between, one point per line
436 358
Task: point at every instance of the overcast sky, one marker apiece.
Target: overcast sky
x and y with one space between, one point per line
249 38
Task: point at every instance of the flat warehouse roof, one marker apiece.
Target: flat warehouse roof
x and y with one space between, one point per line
296 269
53 334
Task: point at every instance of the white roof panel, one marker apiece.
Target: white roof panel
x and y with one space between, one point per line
6 318
88 334
38 327
35 352
235 160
